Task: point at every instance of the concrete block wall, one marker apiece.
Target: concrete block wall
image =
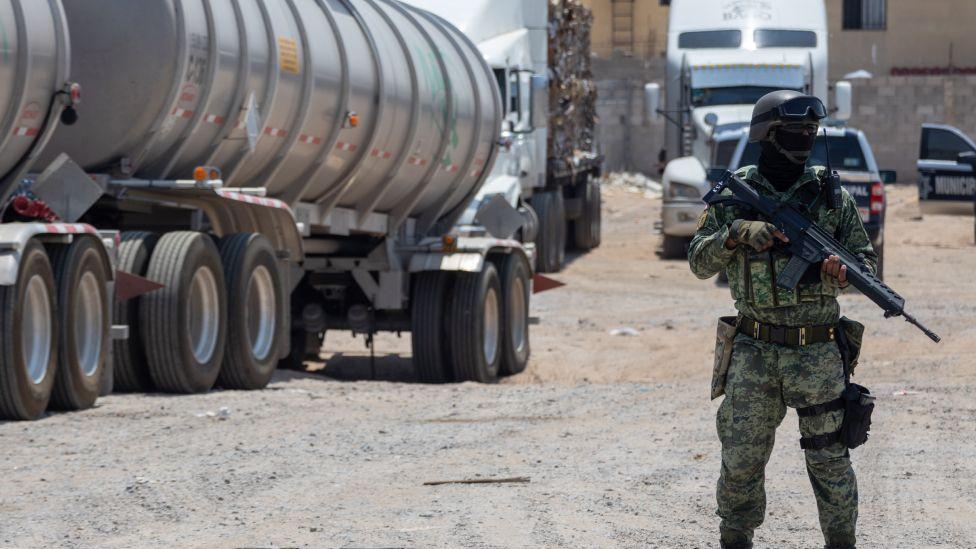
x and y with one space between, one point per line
629 142
891 110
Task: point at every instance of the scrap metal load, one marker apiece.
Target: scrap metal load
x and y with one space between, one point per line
572 91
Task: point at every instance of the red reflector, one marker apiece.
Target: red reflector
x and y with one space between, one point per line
76 93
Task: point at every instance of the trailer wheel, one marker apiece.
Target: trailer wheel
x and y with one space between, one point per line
674 247
131 372
515 315
28 337
430 356
586 229
550 243
475 325
83 311
184 324
254 298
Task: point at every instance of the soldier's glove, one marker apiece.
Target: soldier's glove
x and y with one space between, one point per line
757 234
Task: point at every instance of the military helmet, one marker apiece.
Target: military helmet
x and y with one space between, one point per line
777 107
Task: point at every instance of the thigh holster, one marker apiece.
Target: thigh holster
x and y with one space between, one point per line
856 402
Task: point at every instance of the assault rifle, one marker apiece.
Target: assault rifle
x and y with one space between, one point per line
810 245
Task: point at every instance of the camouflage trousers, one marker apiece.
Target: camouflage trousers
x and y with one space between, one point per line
764 379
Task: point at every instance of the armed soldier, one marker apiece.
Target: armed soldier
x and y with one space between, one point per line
784 352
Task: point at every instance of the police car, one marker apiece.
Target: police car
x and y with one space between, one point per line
850 156
945 185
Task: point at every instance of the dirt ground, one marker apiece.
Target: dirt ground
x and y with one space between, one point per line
615 434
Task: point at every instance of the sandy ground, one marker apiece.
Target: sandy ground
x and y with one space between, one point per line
616 434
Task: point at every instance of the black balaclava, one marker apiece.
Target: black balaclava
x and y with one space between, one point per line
784 156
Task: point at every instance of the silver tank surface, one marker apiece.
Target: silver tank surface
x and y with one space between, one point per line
365 104
33 67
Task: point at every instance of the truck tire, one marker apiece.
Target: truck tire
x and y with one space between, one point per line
184 324
83 312
130 370
674 247
550 243
516 290
28 337
474 325
431 360
586 229
254 299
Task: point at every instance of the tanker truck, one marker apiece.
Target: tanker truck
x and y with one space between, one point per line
195 191
722 57
549 168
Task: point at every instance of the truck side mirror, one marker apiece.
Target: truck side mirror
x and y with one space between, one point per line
652 100
843 100
539 101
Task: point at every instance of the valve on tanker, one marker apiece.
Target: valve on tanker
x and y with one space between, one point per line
72 98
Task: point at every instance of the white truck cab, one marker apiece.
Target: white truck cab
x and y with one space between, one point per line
722 57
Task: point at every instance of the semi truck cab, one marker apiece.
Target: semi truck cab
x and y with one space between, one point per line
722 57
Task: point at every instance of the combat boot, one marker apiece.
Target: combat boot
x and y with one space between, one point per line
737 545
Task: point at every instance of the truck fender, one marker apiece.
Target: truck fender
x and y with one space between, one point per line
15 236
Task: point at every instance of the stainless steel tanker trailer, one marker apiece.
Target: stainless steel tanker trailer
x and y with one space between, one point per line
195 191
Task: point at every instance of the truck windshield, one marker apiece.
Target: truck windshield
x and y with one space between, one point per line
734 95
845 154
776 38
723 153
710 39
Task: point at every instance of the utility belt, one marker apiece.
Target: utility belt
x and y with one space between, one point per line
856 401
785 335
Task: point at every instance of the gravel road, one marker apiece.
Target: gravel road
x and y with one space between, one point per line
615 434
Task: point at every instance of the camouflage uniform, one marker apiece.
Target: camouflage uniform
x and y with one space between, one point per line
764 378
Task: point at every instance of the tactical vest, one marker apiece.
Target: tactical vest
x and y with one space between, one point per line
752 275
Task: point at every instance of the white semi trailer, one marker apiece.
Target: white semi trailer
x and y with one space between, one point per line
560 196
255 173
723 55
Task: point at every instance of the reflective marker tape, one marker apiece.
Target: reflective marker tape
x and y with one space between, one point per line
257 200
416 161
69 228
348 147
182 113
381 154
275 132
214 119
310 140
26 132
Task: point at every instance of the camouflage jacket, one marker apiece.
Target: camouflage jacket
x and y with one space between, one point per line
752 275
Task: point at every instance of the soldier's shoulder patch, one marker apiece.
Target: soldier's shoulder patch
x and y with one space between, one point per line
703 218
